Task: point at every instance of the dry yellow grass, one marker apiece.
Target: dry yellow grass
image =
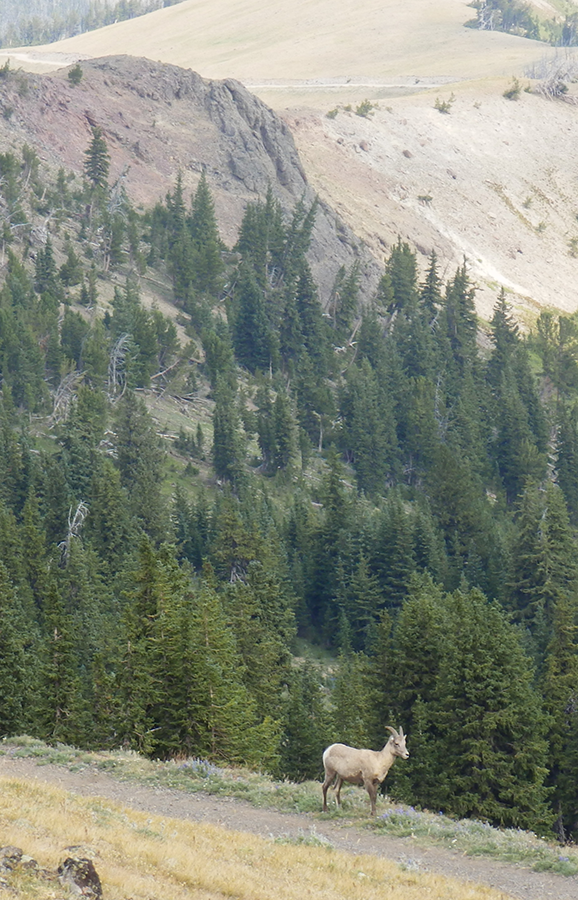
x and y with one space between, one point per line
261 40
143 856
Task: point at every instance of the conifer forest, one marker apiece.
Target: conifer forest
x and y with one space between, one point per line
374 525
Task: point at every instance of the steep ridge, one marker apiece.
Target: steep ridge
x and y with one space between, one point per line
493 181
159 120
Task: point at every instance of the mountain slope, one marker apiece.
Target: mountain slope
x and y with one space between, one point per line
319 39
160 121
500 174
493 181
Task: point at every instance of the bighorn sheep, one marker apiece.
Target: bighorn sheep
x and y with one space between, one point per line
366 767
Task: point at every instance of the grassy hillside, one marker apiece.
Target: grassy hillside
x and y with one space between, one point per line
256 41
142 855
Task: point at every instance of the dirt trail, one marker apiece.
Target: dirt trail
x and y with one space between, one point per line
514 881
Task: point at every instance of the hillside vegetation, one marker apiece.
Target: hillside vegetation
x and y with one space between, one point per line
143 855
366 479
497 170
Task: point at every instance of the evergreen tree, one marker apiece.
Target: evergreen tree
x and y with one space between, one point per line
219 357
307 729
262 238
264 627
140 692
15 676
392 553
45 272
252 337
343 302
567 457
431 289
520 429
351 698
60 711
206 241
228 450
398 289
545 570
461 678
97 160
139 459
560 689
108 526
221 714
459 317
369 436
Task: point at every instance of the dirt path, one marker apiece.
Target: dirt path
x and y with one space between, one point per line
514 881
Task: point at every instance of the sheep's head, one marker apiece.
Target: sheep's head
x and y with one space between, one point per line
397 742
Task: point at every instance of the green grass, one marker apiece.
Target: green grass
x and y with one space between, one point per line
469 837
474 838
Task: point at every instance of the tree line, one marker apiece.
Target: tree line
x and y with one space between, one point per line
379 485
519 18
46 21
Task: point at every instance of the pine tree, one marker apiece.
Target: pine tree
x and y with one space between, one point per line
560 689
140 691
204 233
567 457
252 336
545 569
261 240
222 716
400 288
343 302
362 601
228 449
520 429
392 554
491 723
430 292
351 698
97 160
219 356
460 677
369 434
15 679
60 712
108 527
459 318
95 355
307 728
139 460
264 626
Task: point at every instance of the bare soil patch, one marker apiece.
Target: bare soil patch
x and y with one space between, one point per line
492 181
514 881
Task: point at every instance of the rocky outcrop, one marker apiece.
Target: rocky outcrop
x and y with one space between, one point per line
76 872
159 120
79 874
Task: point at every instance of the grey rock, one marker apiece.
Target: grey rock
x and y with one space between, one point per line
80 875
10 857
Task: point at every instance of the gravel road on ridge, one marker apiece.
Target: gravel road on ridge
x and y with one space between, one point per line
237 815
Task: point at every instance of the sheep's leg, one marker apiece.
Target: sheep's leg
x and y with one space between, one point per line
338 783
329 776
371 788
